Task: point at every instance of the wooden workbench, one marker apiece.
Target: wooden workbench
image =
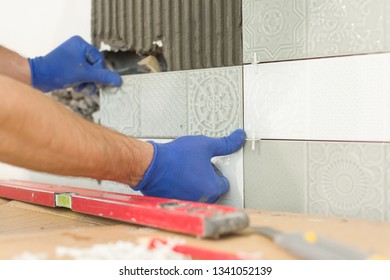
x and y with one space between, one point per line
35 229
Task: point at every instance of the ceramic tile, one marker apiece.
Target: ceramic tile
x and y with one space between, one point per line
120 107
387 176
284 29
231 167
172 104
274 29
322 178
346 180
163 105
215 107
342 98
274 176
62 180
387 28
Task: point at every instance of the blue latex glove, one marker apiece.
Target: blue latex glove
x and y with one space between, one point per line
182 169
75 63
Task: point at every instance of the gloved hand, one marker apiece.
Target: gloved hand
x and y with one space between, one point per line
182 169
75 63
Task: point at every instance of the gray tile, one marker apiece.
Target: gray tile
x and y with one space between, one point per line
214 100
284 29
340 179
274 29
387 182
172 104
274 176
163 105
387 24
120 107
346 179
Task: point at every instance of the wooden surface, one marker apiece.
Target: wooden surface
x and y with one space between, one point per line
36 229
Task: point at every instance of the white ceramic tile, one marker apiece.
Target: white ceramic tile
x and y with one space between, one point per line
347 180
231 167
293 29
172 104
63 180
344 98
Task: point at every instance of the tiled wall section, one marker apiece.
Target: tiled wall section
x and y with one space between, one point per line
231 166
326 178
292 29
172 104
343 98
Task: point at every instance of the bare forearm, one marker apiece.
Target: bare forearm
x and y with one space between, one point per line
14 65
40 134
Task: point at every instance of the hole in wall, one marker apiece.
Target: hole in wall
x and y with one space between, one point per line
129 62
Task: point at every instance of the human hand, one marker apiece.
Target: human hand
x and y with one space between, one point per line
182 169
75 63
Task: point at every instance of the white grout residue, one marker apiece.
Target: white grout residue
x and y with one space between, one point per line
31 256
120 250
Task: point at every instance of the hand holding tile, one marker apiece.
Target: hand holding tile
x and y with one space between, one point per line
182 169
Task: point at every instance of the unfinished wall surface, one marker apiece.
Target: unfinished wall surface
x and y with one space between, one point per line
195 34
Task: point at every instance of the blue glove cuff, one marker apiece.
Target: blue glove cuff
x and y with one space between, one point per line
149 172
34 73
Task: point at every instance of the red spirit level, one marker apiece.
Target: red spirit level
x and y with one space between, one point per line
194 218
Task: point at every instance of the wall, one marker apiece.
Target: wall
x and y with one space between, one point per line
34 28
315 112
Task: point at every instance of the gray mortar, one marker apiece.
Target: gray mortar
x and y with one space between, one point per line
83 104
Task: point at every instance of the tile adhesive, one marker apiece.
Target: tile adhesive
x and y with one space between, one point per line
191 34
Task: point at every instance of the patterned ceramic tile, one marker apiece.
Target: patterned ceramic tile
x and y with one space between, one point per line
120 107
274 29
344 98
231 166
291 29
172 104
325 178
346 180
387 20
214 101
